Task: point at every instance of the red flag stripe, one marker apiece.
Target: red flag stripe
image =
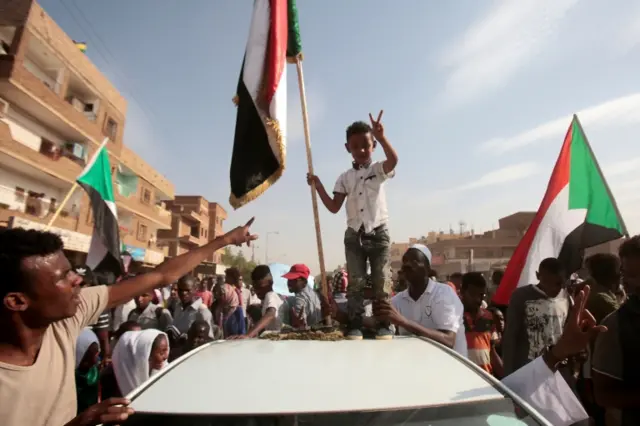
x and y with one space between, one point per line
277 50
559 180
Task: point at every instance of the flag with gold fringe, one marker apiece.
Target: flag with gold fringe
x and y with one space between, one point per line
259 146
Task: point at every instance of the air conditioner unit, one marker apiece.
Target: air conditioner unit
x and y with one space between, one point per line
4 108
74 149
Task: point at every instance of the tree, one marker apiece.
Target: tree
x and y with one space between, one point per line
237 260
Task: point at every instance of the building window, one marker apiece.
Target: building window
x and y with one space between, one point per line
142 232
111 128
145 196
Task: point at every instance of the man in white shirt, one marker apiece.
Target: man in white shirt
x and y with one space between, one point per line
273 307
426 308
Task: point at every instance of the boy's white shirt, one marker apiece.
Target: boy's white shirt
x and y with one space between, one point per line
272 300
547 392
366 203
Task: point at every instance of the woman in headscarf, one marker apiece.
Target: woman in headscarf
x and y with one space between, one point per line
228 317
87 371
108 382
138 356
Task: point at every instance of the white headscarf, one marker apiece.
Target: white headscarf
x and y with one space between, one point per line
131 358
85 339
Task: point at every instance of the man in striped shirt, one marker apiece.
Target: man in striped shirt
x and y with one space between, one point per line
479 324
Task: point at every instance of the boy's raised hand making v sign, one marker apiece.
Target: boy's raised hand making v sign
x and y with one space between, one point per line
377 129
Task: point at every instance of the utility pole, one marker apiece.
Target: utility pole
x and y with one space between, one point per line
266 250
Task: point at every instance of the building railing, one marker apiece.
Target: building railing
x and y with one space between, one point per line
34 206
162 211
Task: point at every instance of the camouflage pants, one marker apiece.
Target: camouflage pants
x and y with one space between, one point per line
361 247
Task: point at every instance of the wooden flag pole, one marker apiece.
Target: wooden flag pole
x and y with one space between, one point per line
314 195
61 206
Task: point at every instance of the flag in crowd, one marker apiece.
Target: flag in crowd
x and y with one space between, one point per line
259 147
578 211
95 179
81 45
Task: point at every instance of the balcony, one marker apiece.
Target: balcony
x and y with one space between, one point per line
149 212
32 206
82 98
189 240
44 65
192 217
162 211
45 105
59 161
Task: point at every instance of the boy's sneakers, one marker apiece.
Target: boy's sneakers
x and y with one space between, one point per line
384 332
354 334
354 331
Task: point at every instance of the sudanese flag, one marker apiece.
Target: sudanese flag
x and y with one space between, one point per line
259 147
578 211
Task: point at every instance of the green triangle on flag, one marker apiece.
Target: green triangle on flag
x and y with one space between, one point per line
96 180
588 188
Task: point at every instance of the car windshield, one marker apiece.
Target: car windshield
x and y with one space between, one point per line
501 412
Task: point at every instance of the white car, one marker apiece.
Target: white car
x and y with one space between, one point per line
404 381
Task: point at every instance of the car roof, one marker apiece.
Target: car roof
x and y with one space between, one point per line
281 377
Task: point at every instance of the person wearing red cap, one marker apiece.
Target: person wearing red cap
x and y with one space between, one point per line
306 304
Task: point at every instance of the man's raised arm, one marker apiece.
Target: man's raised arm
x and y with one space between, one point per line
172 269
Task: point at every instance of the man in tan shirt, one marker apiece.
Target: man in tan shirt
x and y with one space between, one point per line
44 310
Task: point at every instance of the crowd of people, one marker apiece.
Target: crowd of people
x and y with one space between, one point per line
156 327
75 342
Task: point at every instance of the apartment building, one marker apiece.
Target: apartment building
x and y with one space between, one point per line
467 251
194 222
481 252
56 108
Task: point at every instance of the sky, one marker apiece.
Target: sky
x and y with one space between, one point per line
477 98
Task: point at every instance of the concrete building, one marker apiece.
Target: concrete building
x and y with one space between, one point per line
56 108
467 251
481 252
194 222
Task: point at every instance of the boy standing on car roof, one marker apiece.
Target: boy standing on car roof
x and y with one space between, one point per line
367 235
